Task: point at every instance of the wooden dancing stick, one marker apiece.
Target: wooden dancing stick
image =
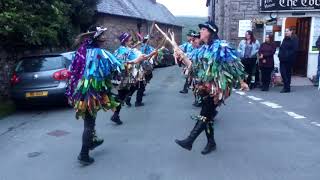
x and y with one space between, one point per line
150 32
161 44
176 48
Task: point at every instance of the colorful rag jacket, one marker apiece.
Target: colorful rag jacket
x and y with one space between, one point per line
218 69
148 65
131 73
146 48
186 48
89 88
193 56
159 58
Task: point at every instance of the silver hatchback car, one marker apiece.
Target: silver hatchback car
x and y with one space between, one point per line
41 79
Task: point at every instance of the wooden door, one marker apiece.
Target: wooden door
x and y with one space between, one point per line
303 33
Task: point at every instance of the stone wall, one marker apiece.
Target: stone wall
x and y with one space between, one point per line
228 14
6 66
118 24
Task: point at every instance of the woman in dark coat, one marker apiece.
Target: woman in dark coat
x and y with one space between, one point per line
266 61
287 56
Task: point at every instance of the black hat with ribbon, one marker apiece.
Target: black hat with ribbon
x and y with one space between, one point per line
195 35
124 37
99 30
211 26
190 32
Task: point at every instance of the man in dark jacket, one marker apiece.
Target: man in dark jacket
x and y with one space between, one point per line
287 56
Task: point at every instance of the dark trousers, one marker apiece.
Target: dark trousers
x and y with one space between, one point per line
318 72
249 65
258 78
140 87
285 70
266 76
149 77
186 84
140 90
208 107
122 94
88 132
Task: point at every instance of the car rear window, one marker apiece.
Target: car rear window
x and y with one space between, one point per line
38 64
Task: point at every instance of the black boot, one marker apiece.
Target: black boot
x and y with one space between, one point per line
185 88
96 141
87 140
85 159
138 104
184 91
196 131
128 101
285 90
211 145
196 103
116 119
214 114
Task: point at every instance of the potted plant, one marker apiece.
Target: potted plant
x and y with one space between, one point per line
258 23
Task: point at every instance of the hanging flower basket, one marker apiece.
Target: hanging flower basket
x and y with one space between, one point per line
258 23
259 26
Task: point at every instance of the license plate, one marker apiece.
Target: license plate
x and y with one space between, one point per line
37 94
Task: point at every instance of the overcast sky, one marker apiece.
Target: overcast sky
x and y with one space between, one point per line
186 7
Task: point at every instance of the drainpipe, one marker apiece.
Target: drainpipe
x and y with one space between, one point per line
213 11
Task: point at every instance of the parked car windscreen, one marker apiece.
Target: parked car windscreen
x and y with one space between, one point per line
37 64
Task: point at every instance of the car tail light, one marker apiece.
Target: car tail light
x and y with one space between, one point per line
61 75
14 79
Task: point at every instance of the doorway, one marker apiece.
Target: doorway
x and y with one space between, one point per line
301 28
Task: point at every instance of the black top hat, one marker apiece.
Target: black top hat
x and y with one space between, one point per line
190 32
195 35
124 37
211 26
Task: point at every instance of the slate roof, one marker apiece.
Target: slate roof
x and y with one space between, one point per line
141 9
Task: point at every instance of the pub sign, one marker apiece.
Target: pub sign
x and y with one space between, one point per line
289 5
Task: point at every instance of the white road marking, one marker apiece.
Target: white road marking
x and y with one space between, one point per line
271 104
255 98
240 93
274 106
315 123
295 115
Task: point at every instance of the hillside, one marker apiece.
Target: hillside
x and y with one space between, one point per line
190 23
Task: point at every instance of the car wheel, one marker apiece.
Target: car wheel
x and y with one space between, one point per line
20 105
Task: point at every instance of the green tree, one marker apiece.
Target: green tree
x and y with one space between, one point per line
43 23
82 13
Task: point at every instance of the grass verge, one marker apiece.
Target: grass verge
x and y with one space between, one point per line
7 107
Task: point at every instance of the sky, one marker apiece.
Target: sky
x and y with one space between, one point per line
186 7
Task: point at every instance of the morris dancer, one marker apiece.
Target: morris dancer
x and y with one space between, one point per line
147 49
89 88
197 44
187 48
129 77
219 69
146 70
